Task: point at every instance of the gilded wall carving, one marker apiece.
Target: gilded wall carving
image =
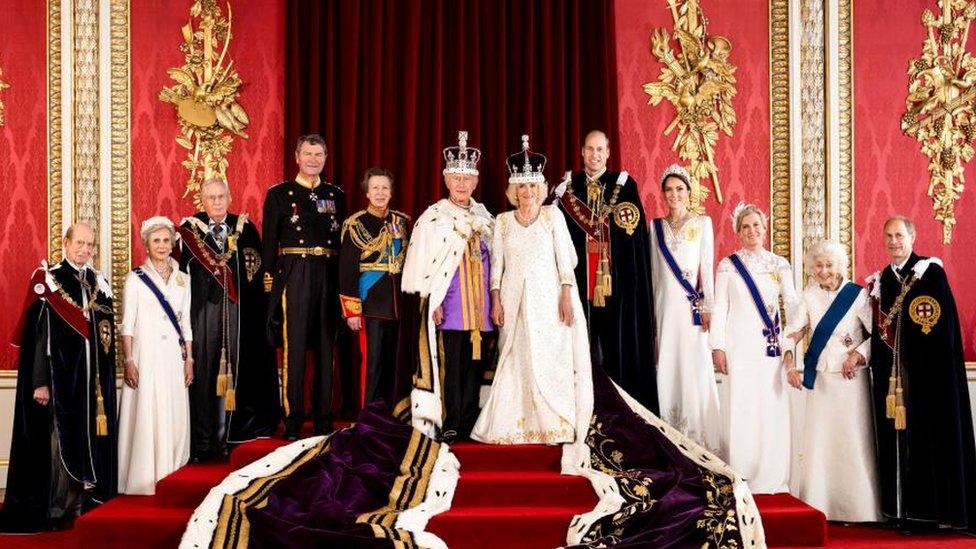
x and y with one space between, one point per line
813 114
54 148
779 111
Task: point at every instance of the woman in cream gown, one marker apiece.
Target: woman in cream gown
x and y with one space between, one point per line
685 378
154 414
542 339
837 467
756 409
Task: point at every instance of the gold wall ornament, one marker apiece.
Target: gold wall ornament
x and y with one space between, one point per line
205 95
3 86
940 110
698 79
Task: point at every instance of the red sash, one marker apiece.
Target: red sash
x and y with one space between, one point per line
69 312
202 253
597 232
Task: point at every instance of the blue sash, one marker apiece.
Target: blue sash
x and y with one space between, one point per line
165 305
771 330
368 279
693 294
821 334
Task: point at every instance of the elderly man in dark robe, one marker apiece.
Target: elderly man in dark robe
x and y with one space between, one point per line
235 396
63 456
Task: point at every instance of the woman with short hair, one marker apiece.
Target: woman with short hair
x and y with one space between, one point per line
154 415
837 466
746 346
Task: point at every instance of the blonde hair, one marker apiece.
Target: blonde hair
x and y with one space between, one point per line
511 192
829 249
748 209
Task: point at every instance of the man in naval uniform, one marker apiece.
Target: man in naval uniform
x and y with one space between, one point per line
63 453
374 245
448 265
609 230
302 222
234 366
922 413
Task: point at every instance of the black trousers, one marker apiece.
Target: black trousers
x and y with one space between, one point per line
310 306
382 338
205 408
462 380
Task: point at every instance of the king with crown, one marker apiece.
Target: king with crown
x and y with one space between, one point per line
448 266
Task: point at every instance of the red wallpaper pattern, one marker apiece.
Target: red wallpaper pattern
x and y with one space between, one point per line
644 150
23 159
258 50
890 172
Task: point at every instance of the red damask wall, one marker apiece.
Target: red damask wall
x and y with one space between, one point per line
890 172
23 159
258 50
644 150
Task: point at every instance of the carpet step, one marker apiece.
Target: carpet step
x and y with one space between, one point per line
508 527
522 489
475 456
188 486
790 522
132 521
249 452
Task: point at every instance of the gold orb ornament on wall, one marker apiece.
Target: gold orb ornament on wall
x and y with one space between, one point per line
699 80
940 110
205 95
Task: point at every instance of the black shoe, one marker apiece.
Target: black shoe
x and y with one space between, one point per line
323 429
291 436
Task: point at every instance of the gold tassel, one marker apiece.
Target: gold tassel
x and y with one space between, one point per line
222 376
101 420
230 397
890 399
598 299
476 344
901 413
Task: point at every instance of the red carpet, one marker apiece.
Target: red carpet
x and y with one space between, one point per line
510 497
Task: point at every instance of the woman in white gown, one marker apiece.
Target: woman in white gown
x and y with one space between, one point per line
837 467
682 257
542 339
745 340
154 414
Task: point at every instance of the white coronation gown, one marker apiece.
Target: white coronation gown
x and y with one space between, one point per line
685 375
533 396
755 405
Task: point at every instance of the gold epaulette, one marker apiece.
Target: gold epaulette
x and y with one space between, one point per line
401 214
352 219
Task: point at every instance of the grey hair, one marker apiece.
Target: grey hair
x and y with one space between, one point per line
213 180
830 249
154 224
70 232
909 225
749 209
512 189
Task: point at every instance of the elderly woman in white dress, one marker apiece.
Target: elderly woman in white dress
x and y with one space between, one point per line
154 421
837 467
746 345
682 258
543 340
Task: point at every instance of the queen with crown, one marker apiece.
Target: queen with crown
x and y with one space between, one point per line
543 345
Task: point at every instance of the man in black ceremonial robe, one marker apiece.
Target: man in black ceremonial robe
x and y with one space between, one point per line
374 245
63 453
922 414
302 222
235 394
609 230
